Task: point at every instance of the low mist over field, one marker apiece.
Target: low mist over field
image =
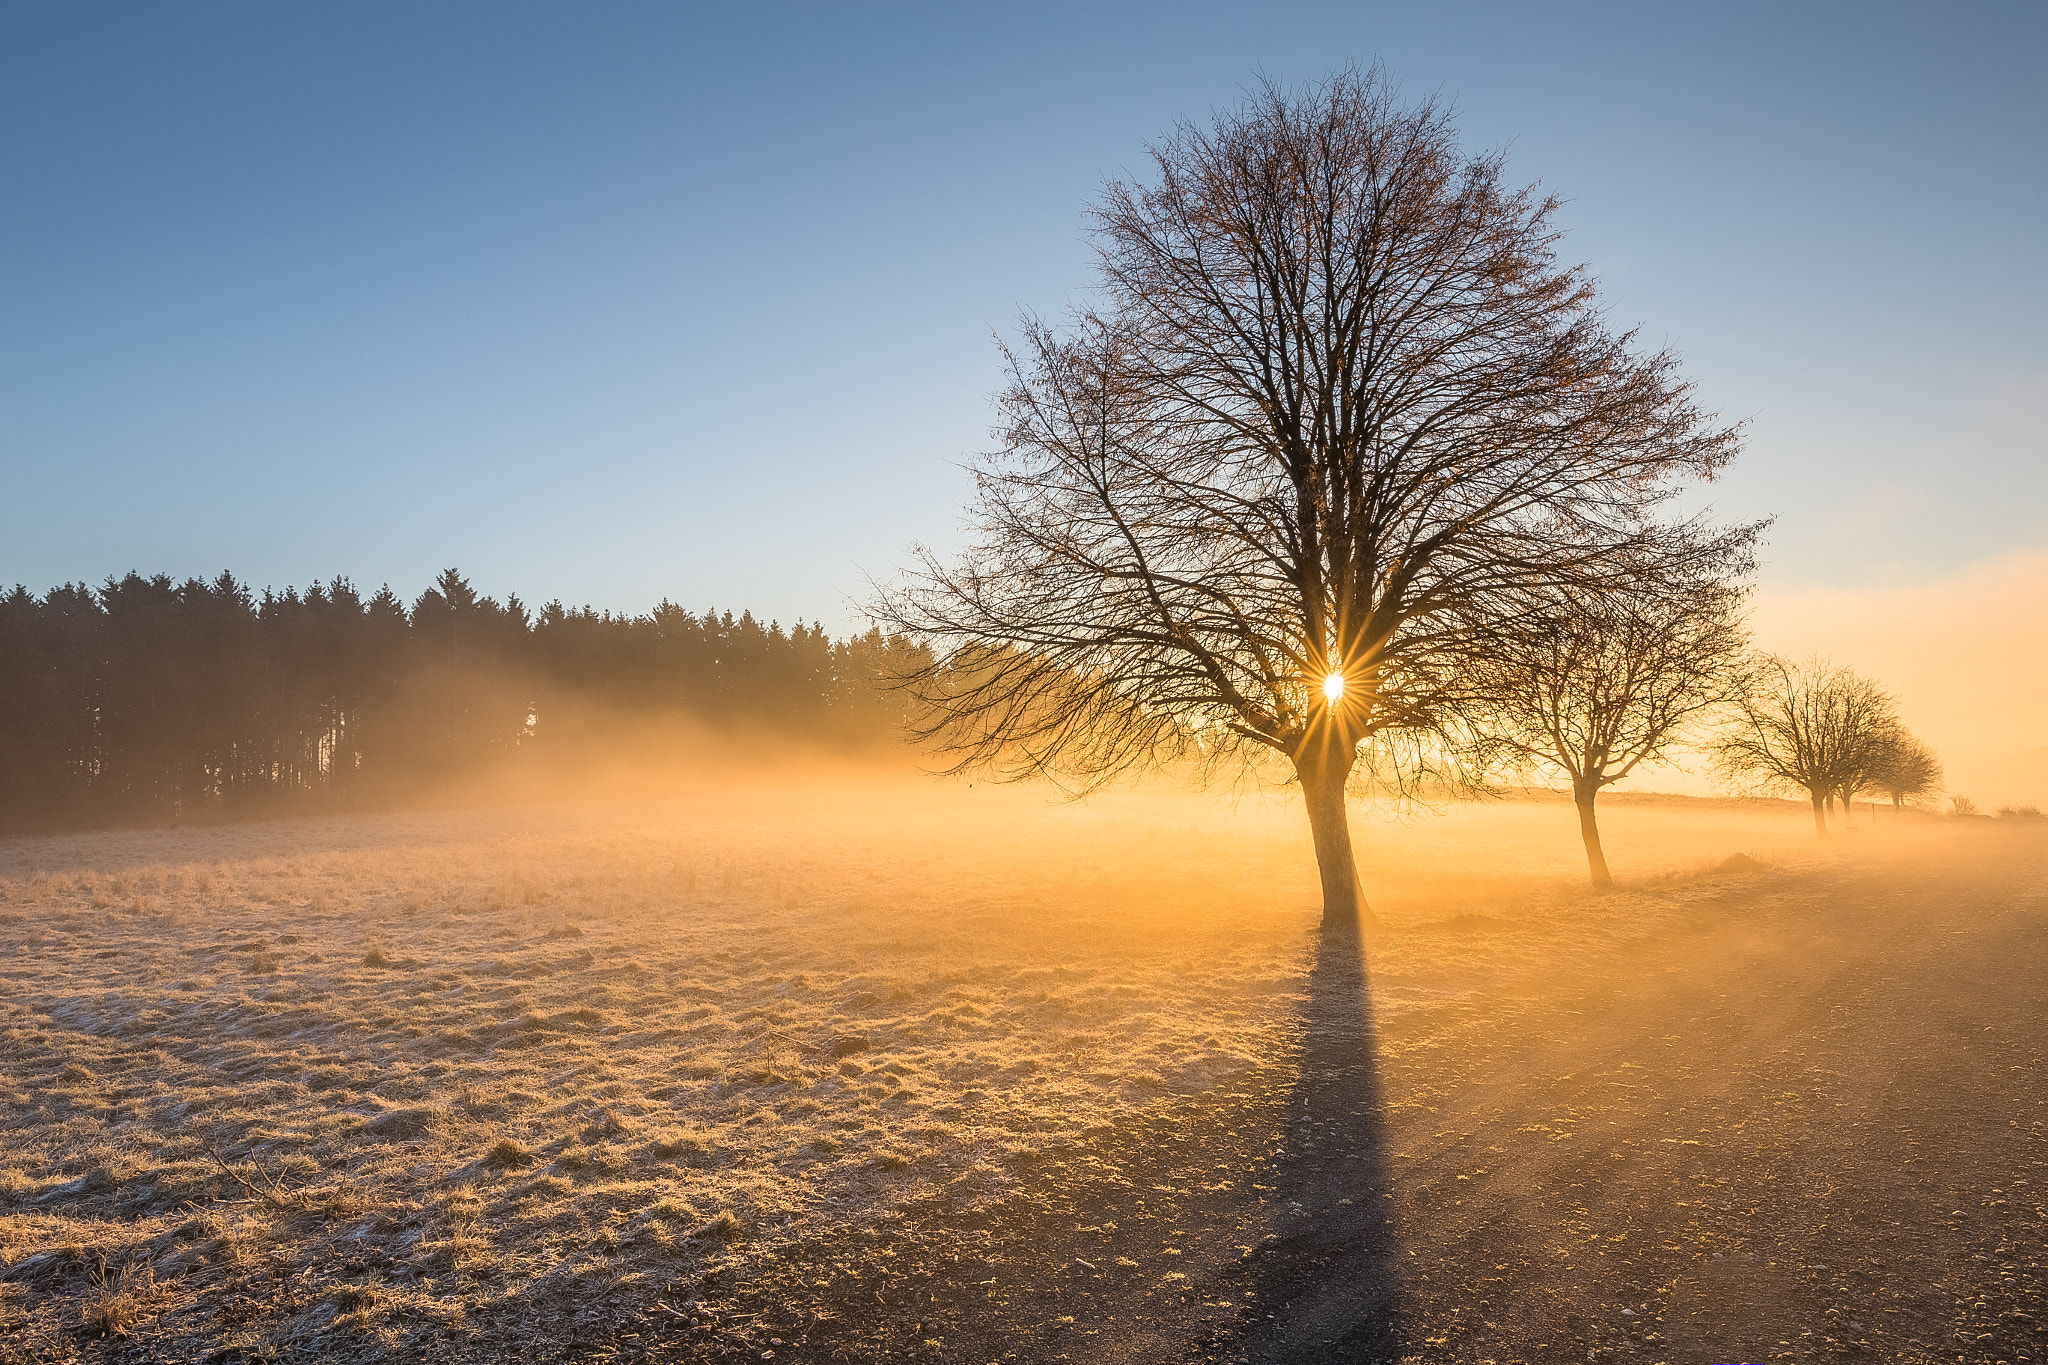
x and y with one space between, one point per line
391 1079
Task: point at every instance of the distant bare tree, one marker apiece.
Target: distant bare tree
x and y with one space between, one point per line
1812 726
1592 687
1866 769
1907 770
1337 402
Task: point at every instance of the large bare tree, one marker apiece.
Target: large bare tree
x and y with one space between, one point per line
1810 726
1335 402
1593 686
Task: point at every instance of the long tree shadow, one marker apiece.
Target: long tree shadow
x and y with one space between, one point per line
1327 1277
1124 1250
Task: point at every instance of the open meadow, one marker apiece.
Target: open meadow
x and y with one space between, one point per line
561 565
422 1085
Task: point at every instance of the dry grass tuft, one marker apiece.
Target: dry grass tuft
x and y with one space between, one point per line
406 1123
673 1211
508 1152
680 1147
724 1226
606 1124
113 1308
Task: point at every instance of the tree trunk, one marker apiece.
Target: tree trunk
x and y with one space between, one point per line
1322 790
1589 830
1820 816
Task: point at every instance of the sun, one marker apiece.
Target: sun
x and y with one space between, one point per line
1333 687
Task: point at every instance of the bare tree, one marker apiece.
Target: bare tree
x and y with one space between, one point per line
1593 687
1860 766
1336 402
1811 726
1907 770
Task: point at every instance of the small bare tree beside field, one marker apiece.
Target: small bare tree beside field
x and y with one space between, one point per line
1594 687
1338 406
1869 764
1811 726
1906 770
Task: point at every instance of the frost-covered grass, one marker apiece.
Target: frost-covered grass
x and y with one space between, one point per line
361 1083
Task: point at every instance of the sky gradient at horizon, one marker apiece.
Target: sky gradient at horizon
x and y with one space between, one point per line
623 302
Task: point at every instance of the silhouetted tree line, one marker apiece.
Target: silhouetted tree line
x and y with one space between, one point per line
153 699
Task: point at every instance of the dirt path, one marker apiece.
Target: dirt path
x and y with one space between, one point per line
1810 1124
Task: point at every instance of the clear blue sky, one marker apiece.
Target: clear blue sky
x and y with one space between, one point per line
619 301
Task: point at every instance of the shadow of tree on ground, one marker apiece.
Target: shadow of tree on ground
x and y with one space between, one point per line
1252 1224
1327 1277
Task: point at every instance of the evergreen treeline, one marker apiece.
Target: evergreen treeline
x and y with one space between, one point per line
150 699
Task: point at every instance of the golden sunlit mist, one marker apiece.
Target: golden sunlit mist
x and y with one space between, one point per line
1967 670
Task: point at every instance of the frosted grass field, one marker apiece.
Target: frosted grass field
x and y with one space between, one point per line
367 1084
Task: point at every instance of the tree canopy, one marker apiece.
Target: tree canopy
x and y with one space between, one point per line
1593 686
1337 407
1811 726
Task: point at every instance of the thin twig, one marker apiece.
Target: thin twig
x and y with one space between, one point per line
270 1192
